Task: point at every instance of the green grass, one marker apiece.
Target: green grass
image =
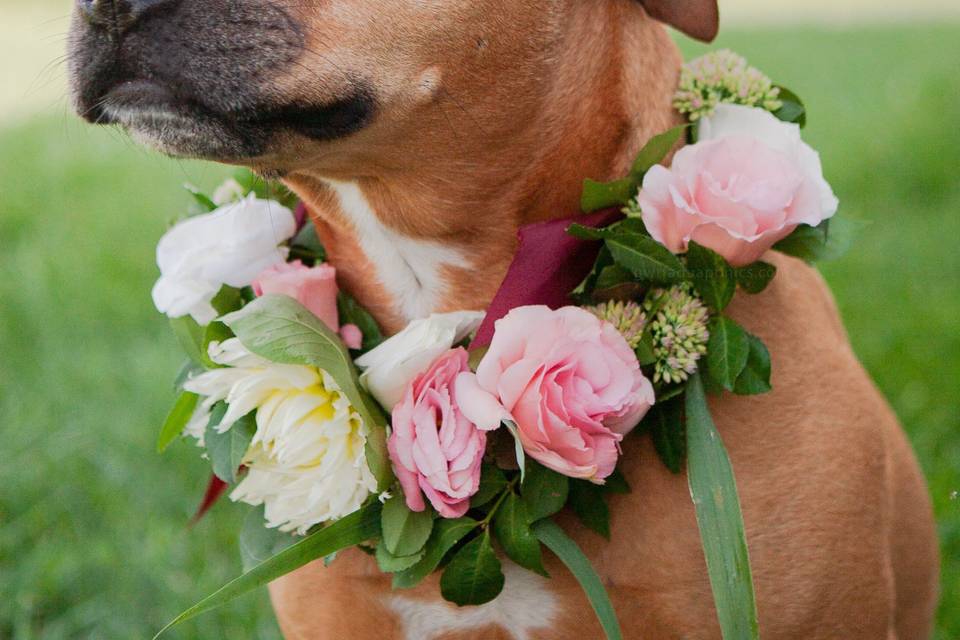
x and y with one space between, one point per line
93 525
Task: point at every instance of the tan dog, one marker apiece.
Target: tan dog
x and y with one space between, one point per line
422 133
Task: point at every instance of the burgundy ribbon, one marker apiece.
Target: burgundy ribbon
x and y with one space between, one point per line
549 264
215 489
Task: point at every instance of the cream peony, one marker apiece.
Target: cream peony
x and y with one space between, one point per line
391 367
306 463
231 245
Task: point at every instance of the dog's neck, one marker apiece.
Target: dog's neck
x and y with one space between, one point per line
433 227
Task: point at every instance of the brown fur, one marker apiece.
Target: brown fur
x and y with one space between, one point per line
838 520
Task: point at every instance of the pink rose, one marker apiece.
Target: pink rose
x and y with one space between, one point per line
315 288
569 381
352 336
434 448
746 185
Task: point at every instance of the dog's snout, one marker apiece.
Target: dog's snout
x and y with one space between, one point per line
116 15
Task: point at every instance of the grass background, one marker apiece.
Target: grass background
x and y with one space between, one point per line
93 536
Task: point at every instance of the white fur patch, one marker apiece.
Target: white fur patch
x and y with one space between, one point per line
409 269
525 604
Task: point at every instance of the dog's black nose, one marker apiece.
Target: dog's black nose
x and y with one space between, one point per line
116 15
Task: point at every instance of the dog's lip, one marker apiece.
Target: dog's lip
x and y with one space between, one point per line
134 100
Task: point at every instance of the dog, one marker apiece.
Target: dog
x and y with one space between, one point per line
422 134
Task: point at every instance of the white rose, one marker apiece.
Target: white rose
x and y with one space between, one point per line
306 463
229 191
231 245
390 367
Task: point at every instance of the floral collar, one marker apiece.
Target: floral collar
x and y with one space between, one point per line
604 323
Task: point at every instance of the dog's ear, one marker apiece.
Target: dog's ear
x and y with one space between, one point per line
696 18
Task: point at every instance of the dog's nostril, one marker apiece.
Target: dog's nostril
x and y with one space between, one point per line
117 15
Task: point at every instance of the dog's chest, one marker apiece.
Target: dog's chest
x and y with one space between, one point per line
526 604
411 270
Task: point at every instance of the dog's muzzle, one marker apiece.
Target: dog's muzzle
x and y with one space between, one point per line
198 78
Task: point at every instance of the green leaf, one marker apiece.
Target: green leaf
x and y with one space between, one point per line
669 438
714 492
355 528
644 350
187 370
190 336
583 232
204 203
227 299
646 258
588 503
544 491
655 151
352 313
755 378
605 195
712 276
226 450
405 531
306 246
583 294
446 534
793 109
612 277
511 524
390 563
492 482
267 189
282 330
755 278
177 419
473 576
570 554
727 351
829 241
259 543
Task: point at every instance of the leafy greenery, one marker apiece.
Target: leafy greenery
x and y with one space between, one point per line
349 531
715 280
405 531
604 195
511 524
755 377
446 534
474 575
714 492
544 491
551 535
793 109
727 352
226 450
177 419
669 437
94 542
259 543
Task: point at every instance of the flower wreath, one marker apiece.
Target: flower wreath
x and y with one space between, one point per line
340 437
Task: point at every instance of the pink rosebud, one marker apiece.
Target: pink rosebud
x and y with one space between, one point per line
435 450
351 336
569 381
747 184
315 288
